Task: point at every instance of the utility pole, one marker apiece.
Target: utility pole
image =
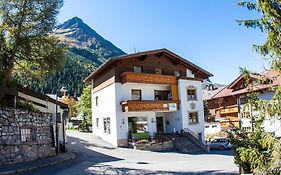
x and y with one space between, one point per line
56 126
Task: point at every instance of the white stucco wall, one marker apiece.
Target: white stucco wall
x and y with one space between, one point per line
266 95
175 121
147 90
106 108
212 128
272 125
123 92
185 105
51 107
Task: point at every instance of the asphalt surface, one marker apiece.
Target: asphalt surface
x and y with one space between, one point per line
95 157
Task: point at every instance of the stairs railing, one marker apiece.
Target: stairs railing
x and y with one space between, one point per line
195 138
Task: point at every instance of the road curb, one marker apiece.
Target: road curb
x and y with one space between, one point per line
72 156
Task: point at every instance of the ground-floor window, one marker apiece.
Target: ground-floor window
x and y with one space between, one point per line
247 129
137 128
245 115
106 125
137 124
97 122
193 117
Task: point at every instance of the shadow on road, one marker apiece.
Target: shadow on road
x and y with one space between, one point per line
88 162
110 170
216 152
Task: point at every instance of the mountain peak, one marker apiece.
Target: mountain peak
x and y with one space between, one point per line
83 38
76 20
73 22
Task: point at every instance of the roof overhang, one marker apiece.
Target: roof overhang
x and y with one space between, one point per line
29 92
159 52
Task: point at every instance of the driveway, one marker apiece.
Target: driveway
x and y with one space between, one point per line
97 157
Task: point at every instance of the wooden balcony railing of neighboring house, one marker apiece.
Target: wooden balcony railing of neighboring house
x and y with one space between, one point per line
150 105
229 122
227 110
132 77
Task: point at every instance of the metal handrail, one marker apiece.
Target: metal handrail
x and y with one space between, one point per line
193 134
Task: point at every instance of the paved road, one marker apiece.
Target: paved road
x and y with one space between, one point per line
91 159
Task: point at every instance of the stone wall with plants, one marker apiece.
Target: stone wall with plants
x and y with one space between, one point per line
24 136
153 146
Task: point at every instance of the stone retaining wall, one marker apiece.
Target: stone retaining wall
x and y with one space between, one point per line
12 147
158 147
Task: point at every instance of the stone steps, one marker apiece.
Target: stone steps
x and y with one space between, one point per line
184 142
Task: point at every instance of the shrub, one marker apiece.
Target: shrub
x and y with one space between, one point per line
140 136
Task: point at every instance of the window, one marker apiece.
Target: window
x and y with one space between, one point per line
241 86
27 134
106 125
214 126
97 122
191 94
243 100
137 69
247 129
136 94
177 73
159 71
162 95
245 115
207 126
193 117
97 100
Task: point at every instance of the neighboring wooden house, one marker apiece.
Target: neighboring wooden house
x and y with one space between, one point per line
227 104
212 124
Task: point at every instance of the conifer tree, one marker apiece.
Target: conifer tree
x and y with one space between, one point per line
259 152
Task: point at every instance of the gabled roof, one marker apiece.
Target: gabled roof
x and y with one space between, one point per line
158 51
230 91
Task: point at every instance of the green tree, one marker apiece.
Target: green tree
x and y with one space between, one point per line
26 45
72 105
270 22
259 152
85 104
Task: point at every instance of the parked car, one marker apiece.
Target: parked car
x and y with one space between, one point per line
220 143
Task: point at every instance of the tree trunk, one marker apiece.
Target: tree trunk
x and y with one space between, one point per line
6 73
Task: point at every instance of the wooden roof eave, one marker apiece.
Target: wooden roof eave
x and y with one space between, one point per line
164 51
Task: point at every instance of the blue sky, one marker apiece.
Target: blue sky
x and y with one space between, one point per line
204 32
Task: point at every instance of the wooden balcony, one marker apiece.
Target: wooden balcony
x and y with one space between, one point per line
149 105
227 110
132 77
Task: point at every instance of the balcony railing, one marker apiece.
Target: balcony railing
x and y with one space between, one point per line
227 110
132 77
149 105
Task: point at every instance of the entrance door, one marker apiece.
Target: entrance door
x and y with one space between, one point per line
159 124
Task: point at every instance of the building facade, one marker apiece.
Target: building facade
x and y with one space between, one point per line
155 91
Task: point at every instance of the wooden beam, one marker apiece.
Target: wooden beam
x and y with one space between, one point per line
142 57
159 54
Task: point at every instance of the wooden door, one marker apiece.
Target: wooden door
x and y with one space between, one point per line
159 124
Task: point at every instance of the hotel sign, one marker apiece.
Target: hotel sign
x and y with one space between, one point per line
172 106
